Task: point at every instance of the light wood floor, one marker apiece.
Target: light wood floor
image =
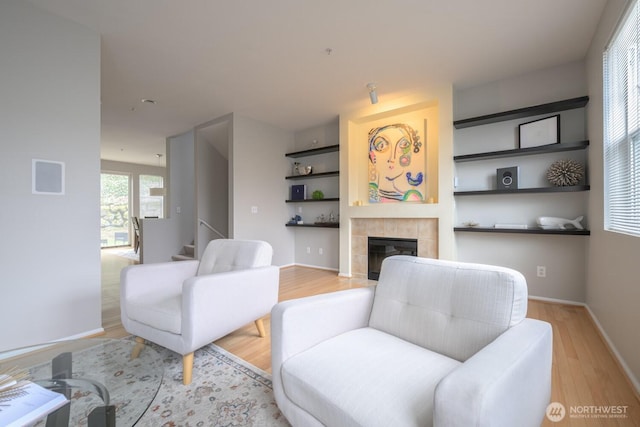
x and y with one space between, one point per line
584 371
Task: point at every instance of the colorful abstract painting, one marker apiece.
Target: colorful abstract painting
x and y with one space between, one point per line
397 167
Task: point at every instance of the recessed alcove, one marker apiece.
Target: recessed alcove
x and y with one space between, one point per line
429 220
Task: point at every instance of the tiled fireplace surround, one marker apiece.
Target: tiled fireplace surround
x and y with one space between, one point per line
425 230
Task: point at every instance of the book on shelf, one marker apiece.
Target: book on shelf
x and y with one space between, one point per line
512 226
298 192
29 403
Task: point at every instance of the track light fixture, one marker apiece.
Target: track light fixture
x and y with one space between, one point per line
373 94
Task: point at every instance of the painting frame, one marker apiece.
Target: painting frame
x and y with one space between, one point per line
397 159
540 132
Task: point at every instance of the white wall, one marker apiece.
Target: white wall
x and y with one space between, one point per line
563 256
613 289
181 193
162 238
316 240
258 170
212 181
50 109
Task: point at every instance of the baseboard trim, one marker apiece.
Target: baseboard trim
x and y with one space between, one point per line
27 349
557 301
317 267
282 267
13 353
633 381
87 334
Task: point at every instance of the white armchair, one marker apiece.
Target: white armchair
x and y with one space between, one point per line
185 305
435 343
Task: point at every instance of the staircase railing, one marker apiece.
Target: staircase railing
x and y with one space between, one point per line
210 227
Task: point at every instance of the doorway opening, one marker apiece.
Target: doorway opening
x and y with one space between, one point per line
115 223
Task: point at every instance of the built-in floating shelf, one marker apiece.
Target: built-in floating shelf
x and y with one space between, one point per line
314 151
552 107
553 148
314 175
572 232
321 225
330 199
566 189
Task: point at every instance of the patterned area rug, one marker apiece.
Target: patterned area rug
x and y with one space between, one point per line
225 391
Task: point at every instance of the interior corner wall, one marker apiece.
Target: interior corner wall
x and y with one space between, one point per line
258 170
563 256
212 196
612 265
316 240
181 200
50 110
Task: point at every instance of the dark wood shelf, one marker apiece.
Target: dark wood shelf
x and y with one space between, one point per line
566 189
314 175
554 148
329 199
536 230
322 225
552 107
314 151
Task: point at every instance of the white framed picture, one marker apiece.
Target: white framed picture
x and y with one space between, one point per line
540 132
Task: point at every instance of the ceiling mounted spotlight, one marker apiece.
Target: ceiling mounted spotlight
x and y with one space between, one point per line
373 94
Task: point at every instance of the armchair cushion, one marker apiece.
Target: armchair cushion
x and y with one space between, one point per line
368 378
460 308
224 255
163 311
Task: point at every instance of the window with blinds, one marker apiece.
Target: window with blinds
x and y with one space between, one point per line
622 127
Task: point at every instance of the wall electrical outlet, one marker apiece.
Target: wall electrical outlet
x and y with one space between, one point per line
320 251
254 209
541 271
308 249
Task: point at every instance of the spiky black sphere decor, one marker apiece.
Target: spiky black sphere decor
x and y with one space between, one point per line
562 173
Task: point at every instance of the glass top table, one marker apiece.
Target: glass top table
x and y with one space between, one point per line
96 375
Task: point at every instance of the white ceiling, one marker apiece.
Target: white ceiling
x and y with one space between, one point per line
268 59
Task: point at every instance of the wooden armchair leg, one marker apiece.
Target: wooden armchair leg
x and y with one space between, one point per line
187 368
260 326
138 348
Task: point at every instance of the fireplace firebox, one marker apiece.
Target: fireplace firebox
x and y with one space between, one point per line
383 247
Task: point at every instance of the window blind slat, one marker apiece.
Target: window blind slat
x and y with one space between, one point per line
622 127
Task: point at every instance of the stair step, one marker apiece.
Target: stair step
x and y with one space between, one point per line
188 250
182 258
